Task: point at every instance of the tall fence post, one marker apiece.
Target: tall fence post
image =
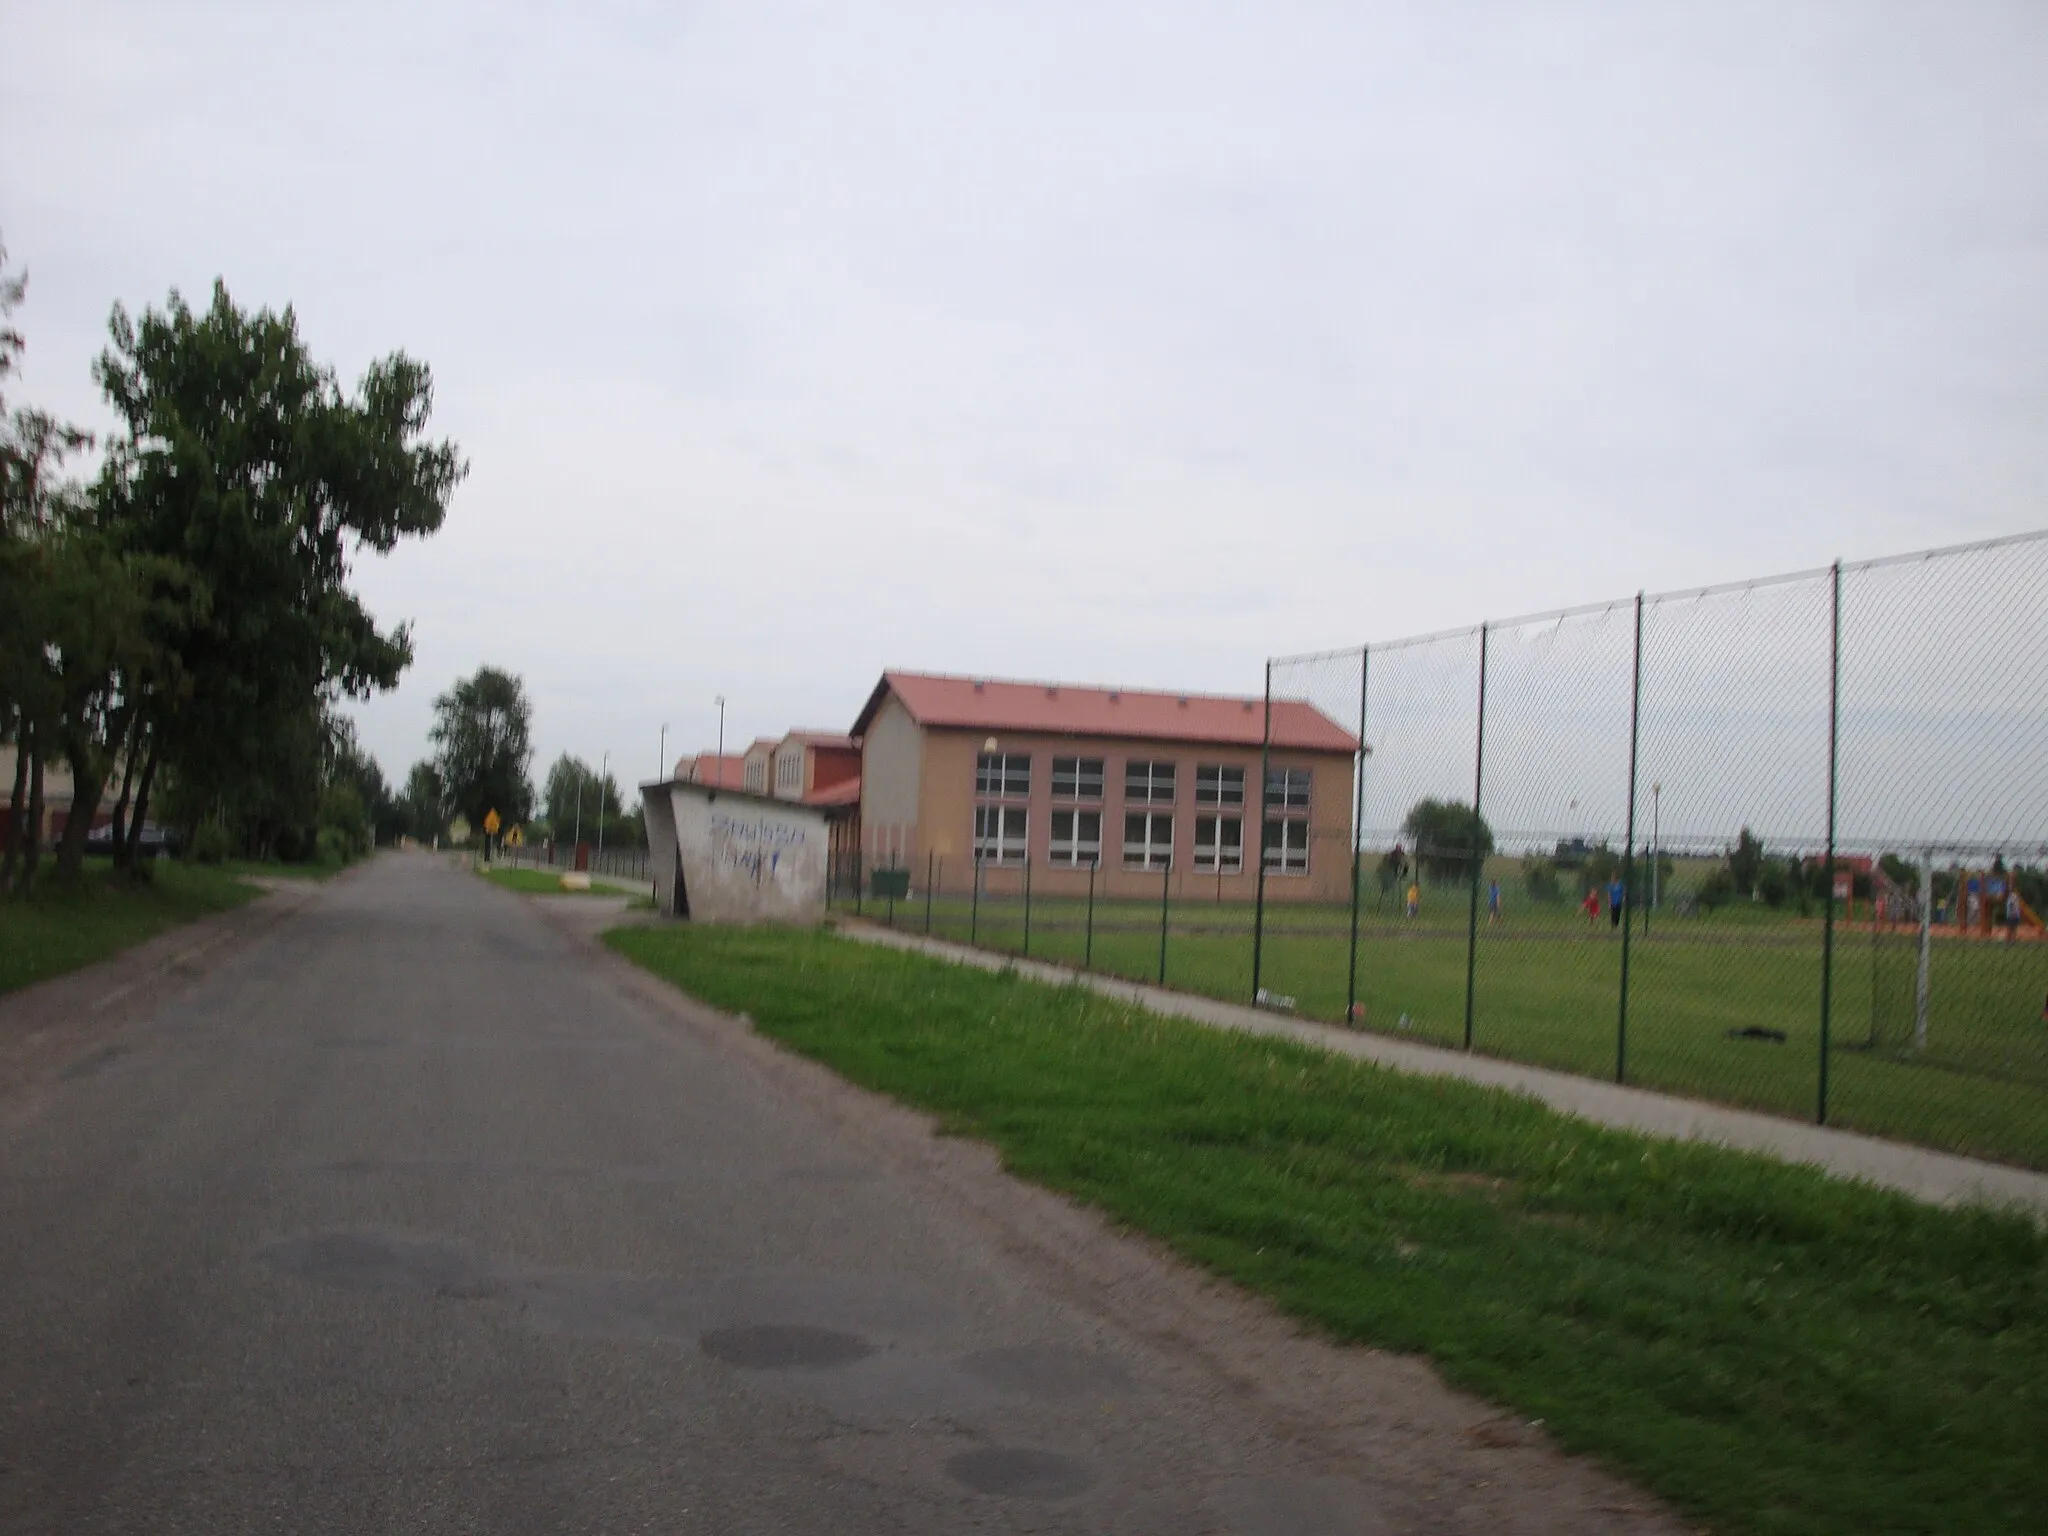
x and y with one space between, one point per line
1827 938
1088 946
1165 901
974 902
1027 903
930 879
1478 858
1259 842
1357 834
1629 897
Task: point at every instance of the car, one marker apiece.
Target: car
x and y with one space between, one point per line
151 843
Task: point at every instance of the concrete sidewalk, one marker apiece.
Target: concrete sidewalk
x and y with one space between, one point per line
1940 1177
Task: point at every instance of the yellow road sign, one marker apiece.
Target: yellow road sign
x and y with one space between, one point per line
491 823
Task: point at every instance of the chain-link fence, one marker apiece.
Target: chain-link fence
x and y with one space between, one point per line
1781 844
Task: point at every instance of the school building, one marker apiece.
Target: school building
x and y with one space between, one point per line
1134 786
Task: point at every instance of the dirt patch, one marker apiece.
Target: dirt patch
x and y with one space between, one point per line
1351 1421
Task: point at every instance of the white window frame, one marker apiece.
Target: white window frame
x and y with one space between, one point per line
1219 784
789 774
1149 781
1153 850
1001 833
1002 775
1214 856
1288 855
1074 850
1287 790
755 777
1079 779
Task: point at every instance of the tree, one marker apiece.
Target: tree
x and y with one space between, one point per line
1451 839
423 803
244 468
482 739
1746 862
573 796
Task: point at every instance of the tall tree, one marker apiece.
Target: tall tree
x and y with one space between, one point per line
482 737
1450 838
244 461
424 804
574 797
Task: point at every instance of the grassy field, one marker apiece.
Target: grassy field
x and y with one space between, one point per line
1547 991
538 882
59 930
1772 1351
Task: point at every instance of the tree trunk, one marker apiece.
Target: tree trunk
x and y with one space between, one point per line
124 846
86 788
141 804
17 812
32 851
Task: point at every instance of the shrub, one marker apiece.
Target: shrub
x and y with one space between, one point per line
334 846
1717 890
1540 876
210 843
1774 882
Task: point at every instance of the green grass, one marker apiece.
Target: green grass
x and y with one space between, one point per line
538 882
58 930
277 869
1547 991
1770 1350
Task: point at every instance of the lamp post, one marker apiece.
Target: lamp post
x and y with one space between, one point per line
721 737
1656 841
661 753
577 841
602 773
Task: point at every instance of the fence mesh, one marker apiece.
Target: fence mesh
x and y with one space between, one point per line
1781 844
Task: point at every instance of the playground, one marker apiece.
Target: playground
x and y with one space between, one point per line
1722 1004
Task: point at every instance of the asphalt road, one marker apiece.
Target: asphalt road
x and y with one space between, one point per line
413 1216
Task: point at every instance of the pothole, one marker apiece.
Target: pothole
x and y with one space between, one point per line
1019 1473
784 1347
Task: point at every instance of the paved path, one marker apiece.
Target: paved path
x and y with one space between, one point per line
1940 1177
417 1212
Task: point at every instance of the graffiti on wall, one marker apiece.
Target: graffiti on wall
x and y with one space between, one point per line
756 847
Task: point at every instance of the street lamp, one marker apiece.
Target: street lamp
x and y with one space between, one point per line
602 773
1656 841
661 753
721 738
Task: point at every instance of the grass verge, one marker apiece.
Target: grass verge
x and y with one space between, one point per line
1771 1350
58 930
540 882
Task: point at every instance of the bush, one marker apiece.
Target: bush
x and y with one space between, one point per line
1717 890
1774 882
210 843
334 846
1540 876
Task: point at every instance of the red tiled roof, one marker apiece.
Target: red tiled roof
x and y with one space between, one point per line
986 704
846 793
728 772
820 739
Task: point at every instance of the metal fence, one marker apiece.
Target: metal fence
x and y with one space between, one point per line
1781 844
629 863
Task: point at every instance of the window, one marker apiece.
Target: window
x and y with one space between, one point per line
1077 778
1000 775
789 775
1287 789
1218 785
1148 783
1287 847
999 833
756 780
1076 839
1219 844
1148 840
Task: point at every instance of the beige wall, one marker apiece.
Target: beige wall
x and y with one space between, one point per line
890 779
945 816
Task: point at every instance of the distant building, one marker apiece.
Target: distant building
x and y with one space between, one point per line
1132 784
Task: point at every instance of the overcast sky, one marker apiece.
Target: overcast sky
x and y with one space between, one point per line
1117 342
